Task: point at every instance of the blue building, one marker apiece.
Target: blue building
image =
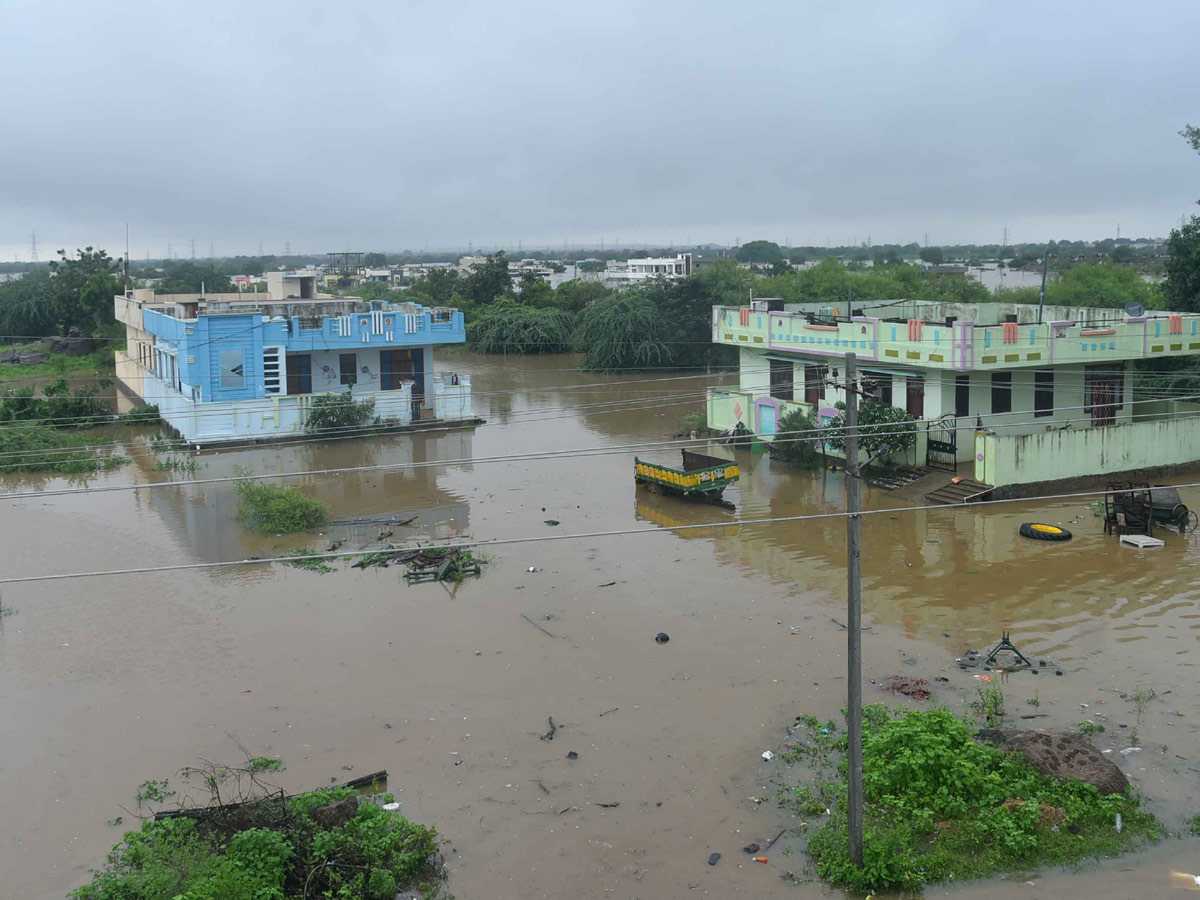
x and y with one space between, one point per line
237 366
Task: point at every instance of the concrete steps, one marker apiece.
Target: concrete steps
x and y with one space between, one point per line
951 493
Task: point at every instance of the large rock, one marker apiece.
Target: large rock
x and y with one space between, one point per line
337 814
1063 756
22 358
74 344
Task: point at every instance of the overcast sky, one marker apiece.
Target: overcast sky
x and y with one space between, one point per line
392 125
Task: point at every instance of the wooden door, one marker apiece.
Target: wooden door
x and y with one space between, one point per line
299 373
395 368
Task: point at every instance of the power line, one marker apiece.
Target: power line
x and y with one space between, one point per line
537 539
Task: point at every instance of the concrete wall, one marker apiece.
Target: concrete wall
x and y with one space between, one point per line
256 418
1070 453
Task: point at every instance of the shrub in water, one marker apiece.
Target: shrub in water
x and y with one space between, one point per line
278 510
940 806
796 440
332 411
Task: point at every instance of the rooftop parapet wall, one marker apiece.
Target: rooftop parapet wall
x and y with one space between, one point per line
962 345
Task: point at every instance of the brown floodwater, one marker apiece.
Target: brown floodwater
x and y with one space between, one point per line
108 681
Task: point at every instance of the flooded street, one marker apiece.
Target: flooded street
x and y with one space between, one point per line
108 681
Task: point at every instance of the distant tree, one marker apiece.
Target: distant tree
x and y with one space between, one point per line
508 327
1191 134
27 306
1181 286
592 265
1123 254
780 267
488 280
187 277
760 252
577 294
84 286
535 291
622 332
933 255
374 260
439 285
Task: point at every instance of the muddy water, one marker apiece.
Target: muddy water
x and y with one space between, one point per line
105 682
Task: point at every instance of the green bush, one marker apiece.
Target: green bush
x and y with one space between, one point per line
279 852
796 441
940 806
141 415
511 328
276 509
880 425
332 411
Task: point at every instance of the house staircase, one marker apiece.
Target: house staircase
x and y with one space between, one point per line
965 491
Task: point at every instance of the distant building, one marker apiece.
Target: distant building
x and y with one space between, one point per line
227 367
638 271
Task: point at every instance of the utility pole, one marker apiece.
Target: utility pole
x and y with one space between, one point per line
854 613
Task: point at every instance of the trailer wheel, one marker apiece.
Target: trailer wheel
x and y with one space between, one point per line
1039 532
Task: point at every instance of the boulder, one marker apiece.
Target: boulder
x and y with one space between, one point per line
74 344
1064 756
22 358
336 814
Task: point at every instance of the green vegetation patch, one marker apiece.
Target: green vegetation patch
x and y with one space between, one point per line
336 411
508 327
796 439
277 510
271 848
35 448
941 807
58 364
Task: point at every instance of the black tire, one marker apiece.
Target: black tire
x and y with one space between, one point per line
1039 532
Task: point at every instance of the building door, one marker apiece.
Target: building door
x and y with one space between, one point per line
814 385
767 419
395 368
1102 393
916 397
299 373
783 374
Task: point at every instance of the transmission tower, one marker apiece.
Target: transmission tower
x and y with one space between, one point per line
287 248
193 243
1004 243
260 248
33 254
211 254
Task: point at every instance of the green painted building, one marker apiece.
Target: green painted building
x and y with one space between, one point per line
1001 397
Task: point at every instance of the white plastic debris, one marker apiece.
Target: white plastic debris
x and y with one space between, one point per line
1120 825
391 807
768 755
1129 750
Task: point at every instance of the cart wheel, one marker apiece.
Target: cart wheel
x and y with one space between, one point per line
1190 522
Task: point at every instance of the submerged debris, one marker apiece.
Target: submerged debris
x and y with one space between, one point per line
306 558
909 687
425 563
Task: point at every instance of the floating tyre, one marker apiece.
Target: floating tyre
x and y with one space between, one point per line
1039 532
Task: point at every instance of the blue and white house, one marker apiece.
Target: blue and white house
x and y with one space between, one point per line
233 367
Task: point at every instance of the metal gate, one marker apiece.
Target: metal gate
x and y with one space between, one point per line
941 443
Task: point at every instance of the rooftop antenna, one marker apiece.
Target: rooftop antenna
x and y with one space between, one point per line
126 259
